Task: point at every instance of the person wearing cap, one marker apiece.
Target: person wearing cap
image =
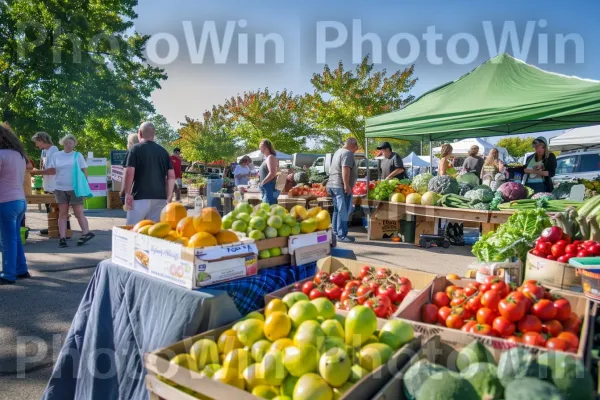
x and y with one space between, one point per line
540 167
391 165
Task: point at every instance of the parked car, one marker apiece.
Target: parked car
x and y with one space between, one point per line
577 165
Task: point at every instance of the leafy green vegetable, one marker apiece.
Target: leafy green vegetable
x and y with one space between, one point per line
512 239
443 185
420 182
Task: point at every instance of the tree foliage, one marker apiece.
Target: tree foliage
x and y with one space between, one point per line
516 146
165 134
343 99
74 66
279 117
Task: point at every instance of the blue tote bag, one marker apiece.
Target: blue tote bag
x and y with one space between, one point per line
81 187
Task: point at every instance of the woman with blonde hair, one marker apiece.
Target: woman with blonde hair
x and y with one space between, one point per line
444 165
13 161
61 165
491 167
268 172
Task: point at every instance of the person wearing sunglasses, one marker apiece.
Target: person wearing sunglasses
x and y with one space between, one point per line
540 167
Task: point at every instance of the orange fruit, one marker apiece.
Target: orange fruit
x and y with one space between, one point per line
142 224
226 237
202 239
185 227
453 276
172 214
208 221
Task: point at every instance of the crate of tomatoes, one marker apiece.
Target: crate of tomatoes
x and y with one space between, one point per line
506 315
348 283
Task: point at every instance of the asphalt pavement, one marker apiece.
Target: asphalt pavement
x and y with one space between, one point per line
35 314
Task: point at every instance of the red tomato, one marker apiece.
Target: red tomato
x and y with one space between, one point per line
383 273
458 300
588 243
515 339
316 293
530 323
333 292
558 249
338 279
351 284
482 329
401 292
443 314
573 324
595 249
544 310
474 285
534 339
564 259
503 327
474 303
556 344
348 304
571 249
566 238
584 253
347 294
387 290
441 299
380 305
468 325
404 281
484 287
576 242
297 287
536 253
563 309
544 248
469 291
307 287
491 299
451 289
454 321
571 339
562 242
512 307
363 293
374 285
485 316
533 290
429 313
501 287
321 277
552 328
366 271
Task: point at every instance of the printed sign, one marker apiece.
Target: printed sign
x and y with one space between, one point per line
166 263
123 248
117 157
116 173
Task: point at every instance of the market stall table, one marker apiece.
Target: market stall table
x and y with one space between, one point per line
125 314
42 199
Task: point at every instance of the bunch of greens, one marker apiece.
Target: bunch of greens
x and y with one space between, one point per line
512 239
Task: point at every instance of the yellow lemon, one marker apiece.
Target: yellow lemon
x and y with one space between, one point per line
277 326
274 306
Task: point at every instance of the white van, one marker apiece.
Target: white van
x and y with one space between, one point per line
577 165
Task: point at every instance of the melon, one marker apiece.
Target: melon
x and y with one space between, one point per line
159 230
208 221
142 224
309 225
323 220
398 198
413 198
299 212
313 212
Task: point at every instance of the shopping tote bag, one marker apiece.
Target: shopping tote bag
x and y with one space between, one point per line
81 187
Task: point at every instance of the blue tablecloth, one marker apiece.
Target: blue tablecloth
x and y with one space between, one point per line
125 314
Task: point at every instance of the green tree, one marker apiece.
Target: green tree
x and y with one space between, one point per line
166 135
74 66
207 140
516 146
343 99
280 117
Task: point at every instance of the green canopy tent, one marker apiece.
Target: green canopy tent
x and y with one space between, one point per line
503 96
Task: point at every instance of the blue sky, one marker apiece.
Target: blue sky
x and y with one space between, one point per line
469 31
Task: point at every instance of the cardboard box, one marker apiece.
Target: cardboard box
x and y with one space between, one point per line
421 281
157 363
381 228
310 247
412 313
552 274
190 268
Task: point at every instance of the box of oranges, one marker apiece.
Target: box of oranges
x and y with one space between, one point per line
188 251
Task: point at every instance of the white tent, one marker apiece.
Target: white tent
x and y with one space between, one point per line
576 139
258 156
414 160
462 148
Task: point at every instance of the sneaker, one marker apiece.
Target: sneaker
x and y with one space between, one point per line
347 239
4 281
26 275
44 232
62 243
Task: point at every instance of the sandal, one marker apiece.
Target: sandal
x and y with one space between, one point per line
62 243
85 238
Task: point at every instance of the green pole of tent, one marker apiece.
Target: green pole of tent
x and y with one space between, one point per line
430 156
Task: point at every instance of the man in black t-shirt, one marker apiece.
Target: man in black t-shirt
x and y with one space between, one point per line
392 165
149 179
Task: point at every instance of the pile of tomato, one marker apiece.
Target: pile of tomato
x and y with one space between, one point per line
528 314
381 289
360 188
554 245
318 190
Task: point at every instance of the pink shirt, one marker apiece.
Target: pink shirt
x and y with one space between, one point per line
12 175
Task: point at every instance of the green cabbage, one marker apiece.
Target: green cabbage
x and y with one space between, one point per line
443 185
420 182
469 178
